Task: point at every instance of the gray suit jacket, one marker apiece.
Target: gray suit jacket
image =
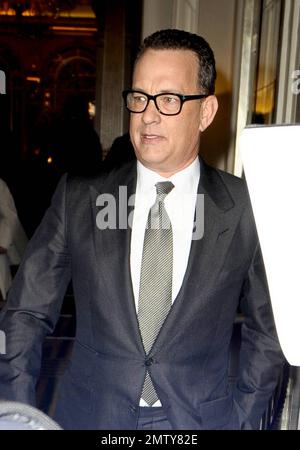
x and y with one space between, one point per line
190 359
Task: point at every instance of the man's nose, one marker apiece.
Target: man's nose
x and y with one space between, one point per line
151 113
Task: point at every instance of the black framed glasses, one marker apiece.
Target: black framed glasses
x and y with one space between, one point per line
167 103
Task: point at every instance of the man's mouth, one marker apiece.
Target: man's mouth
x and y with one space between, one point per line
150 138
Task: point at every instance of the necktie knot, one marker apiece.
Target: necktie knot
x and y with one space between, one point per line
158 217
163 188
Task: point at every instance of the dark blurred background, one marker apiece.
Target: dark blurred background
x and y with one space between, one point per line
66 63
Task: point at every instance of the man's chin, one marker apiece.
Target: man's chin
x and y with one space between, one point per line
158 166
152 157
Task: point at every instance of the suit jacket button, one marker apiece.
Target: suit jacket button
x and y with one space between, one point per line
149 361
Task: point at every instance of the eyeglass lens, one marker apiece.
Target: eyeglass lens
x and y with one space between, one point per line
166 103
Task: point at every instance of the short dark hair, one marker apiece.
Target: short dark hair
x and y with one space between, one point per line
173 39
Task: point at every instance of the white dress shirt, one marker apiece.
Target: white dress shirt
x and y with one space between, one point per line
180 206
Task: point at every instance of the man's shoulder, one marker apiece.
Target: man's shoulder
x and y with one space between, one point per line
101 180
232 180
235 186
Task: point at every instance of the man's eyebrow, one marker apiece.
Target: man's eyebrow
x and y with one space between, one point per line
163 91
134 88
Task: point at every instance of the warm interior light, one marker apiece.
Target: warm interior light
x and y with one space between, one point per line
92 109
39 8
7 12
35 79
265 100
79 29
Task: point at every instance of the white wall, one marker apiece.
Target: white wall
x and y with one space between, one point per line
218 23
157 15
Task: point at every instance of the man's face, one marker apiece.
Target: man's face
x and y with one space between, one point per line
166 144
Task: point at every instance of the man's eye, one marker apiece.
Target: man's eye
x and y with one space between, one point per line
139 98
170 99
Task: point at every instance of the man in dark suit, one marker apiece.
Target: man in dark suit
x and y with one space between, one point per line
156 301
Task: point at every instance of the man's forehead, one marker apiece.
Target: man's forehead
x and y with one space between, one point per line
170 52
160 70
179 60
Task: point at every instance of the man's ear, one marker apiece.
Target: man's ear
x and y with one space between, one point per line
208 111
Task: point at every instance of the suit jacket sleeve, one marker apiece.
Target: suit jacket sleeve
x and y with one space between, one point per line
34 302
261 359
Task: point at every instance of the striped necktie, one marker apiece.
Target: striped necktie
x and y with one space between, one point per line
155 294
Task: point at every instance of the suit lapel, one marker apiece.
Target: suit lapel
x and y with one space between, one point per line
113 248
206 255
